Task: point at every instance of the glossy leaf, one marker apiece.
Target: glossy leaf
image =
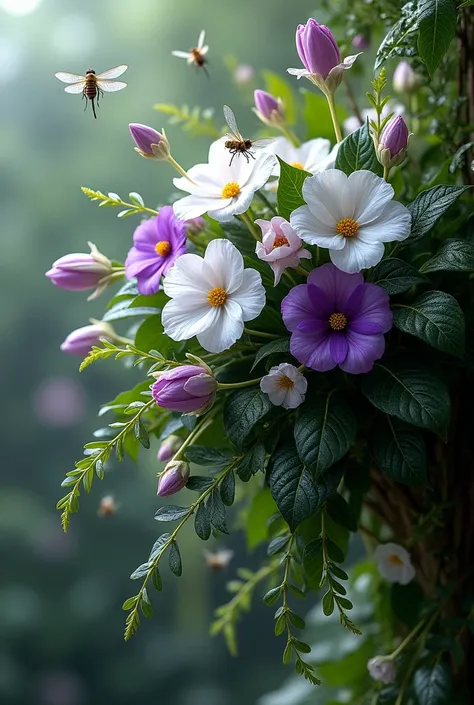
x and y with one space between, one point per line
396 276
453 256
433 685
242 410
436 30
276 346
290 186
400 452
357 151
428 207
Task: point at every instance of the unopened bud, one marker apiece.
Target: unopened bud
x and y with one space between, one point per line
150 143
405 80
268 108
381 669
173 478
169 447
392 146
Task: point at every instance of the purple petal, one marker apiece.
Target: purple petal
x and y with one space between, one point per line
338 346
138 262
312 351
170 228
149 284
296 307
362 353
146 234
365 327
322 303
373 308
337 285
313 325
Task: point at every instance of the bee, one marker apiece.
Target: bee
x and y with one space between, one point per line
235 143
92 85
197 55
219 560
107 506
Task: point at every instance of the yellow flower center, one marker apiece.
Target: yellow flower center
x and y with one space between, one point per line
231 190
217 296
163 248
395 560
337 321
285 383
280 241
348 227
298 165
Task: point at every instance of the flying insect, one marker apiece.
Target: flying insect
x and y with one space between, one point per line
92 85
235 143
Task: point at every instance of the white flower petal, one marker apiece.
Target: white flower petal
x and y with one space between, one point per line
194 206
370 194
225 212
186 277
203 181
324 194
271 384
310 229
250 295
262 169
181 322
394 223
222 334
299 73
312 154
226 262
357 255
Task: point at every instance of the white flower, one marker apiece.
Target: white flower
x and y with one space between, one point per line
352 216
220 188
211 297
353 123
312 156
380 669
193 54
394 563
285 386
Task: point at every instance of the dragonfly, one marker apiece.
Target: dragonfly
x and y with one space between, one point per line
92 85
235 143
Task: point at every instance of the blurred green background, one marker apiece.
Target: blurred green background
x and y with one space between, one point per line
60 595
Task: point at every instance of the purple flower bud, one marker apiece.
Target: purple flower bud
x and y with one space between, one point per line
317 48
173 478
360 42
150 143
394 136
189 389
405 80
195 225
78 271
269 109
81 340
169 447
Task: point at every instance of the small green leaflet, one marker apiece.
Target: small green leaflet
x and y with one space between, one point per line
436 29
276 346
290 187
357 151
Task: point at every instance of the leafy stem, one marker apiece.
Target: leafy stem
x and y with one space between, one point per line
109 349
194 435
113 199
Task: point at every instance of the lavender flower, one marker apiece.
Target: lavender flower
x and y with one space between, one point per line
149 142
393 143
189 389
81 340
405 80
268 108
173 478
360 42
317 48
337 319
157 243
80 271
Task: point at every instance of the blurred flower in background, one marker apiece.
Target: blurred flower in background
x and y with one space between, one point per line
59 402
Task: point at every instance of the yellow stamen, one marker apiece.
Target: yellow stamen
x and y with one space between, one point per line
286 383
298 165
395 560
337 321
348 227
163 248
231 190
217 296
280 241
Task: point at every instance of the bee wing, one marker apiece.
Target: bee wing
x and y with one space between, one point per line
263 142
202 36
75 87
113 73
111 86
181 54
230 120
69 77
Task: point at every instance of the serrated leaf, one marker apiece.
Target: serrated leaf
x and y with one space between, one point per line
175 563
400 452
253 462
428 207
436 318
433 685
396 276
453 256
242 410
357 151
324 430
276 346
171 513
290 187
436 30
414 394
227 489
202 522
340 512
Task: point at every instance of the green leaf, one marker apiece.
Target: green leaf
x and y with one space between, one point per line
313 563
277 545
272 596
171 513
433 685
116 314
406 602
199 483
277 86
206 455
156 580
292 486
436 29
276 346
398 38
252 463
290 187
242 410
239 236
453 256
202 522
396 276
175 563
328 604
467 3
340 512
227 489
324 431
141 434
356 152
400 452
428 207
414 394
146 605
216 508
140 572
261 509
436 318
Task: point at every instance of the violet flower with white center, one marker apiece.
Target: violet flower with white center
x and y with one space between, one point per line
280 247
223 187
285 386
352 216
157 243
394 563
337 319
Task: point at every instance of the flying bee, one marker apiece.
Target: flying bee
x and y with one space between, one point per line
235 143
197 55
92 85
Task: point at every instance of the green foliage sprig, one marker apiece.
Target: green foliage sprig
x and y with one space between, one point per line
197 121
137 204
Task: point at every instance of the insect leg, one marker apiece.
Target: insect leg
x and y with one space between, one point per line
93 107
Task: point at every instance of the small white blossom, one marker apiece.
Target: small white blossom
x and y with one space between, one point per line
394 563
285 386
380 669
312 156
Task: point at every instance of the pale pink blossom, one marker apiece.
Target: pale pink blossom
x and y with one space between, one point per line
280 247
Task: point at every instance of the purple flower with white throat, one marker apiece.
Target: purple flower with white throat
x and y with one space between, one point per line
173 478
280 247
189 389
285 386
157 243
79 271
337 319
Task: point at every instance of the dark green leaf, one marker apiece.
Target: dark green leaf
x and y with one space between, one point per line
202 522
413 394
292 486
156 580
116 314
199 483
216 509
428 207
171 513
356 152
141 434
146 605
276 346
433 685
301 646
158 546
272 595
436 318
239 236
296 620
400 452
340 512
328 604
252 463
227 489
204 455
313 563
334 552
396 276
277 545
324 431
453 256
242 410
406 602
290 186
436 30
398 38
175 563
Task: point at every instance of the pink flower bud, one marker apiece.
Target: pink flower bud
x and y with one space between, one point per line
195 225
149 142
317 48
81 340
405 80
78 271
360 42
381 669
169 447
268 108
173 478
189 389
280 247
244 74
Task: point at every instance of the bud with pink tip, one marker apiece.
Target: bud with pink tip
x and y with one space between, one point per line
189 389
405 80
169 447
81 340
80 271
173 478
268 108
392 146
149 142
382 669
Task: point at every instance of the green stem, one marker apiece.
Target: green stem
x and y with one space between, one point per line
238 385
260 334
407 640
301 270
266 202
251 226
386 172
179 169
195 433
335 122
290 135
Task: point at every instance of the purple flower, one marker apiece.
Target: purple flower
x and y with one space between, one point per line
173 478
394 136
189 389
317 48
337 319
405 80
81 340
268 108
169 447
157 243
80 271
149 142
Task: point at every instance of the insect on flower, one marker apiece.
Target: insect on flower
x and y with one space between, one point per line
92 85
197 55
235 143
